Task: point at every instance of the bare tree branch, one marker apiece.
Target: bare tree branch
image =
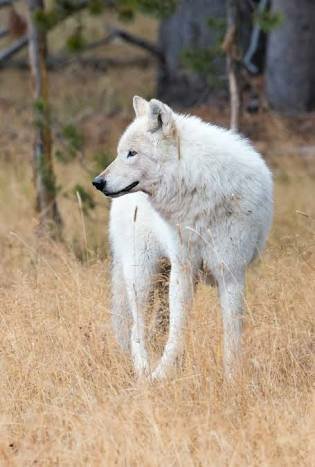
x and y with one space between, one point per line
254 40
130 39
54 63
235 101
138 42
22 42
230 46
7 53
75 6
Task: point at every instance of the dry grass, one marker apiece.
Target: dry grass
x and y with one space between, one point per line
68 396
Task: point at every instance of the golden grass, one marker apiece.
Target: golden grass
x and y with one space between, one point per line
68 395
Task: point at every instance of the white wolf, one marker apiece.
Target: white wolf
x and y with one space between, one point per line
198 195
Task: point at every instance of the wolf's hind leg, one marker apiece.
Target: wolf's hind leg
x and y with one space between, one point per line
231 291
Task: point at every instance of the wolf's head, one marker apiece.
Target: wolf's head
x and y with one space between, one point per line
147 150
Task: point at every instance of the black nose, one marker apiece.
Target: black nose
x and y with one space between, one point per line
99 183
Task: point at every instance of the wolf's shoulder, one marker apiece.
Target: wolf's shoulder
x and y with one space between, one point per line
193 127
209 147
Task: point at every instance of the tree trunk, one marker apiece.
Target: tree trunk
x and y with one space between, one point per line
44 177
291 58
187 29
232 49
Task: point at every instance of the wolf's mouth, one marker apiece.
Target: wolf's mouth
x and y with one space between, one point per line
121 192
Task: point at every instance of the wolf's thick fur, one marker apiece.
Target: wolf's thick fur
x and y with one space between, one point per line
203 198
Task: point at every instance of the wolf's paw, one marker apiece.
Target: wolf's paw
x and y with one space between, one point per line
158 374
142 368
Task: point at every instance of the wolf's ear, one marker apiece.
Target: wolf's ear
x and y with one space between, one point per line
161 117
141 106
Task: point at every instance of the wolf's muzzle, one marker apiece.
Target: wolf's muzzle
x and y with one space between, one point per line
99 183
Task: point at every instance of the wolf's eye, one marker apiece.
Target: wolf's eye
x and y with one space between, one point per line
131 154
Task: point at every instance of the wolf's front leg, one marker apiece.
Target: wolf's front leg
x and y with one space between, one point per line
180 300
120 312
138 286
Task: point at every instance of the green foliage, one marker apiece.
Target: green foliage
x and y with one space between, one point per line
76 42
73 137
73 142
217 24
96 7
40 105
203 61
44 169
200 60
126 14
268 20
60 10
160 8
126 10
41 113
46 21
61 156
